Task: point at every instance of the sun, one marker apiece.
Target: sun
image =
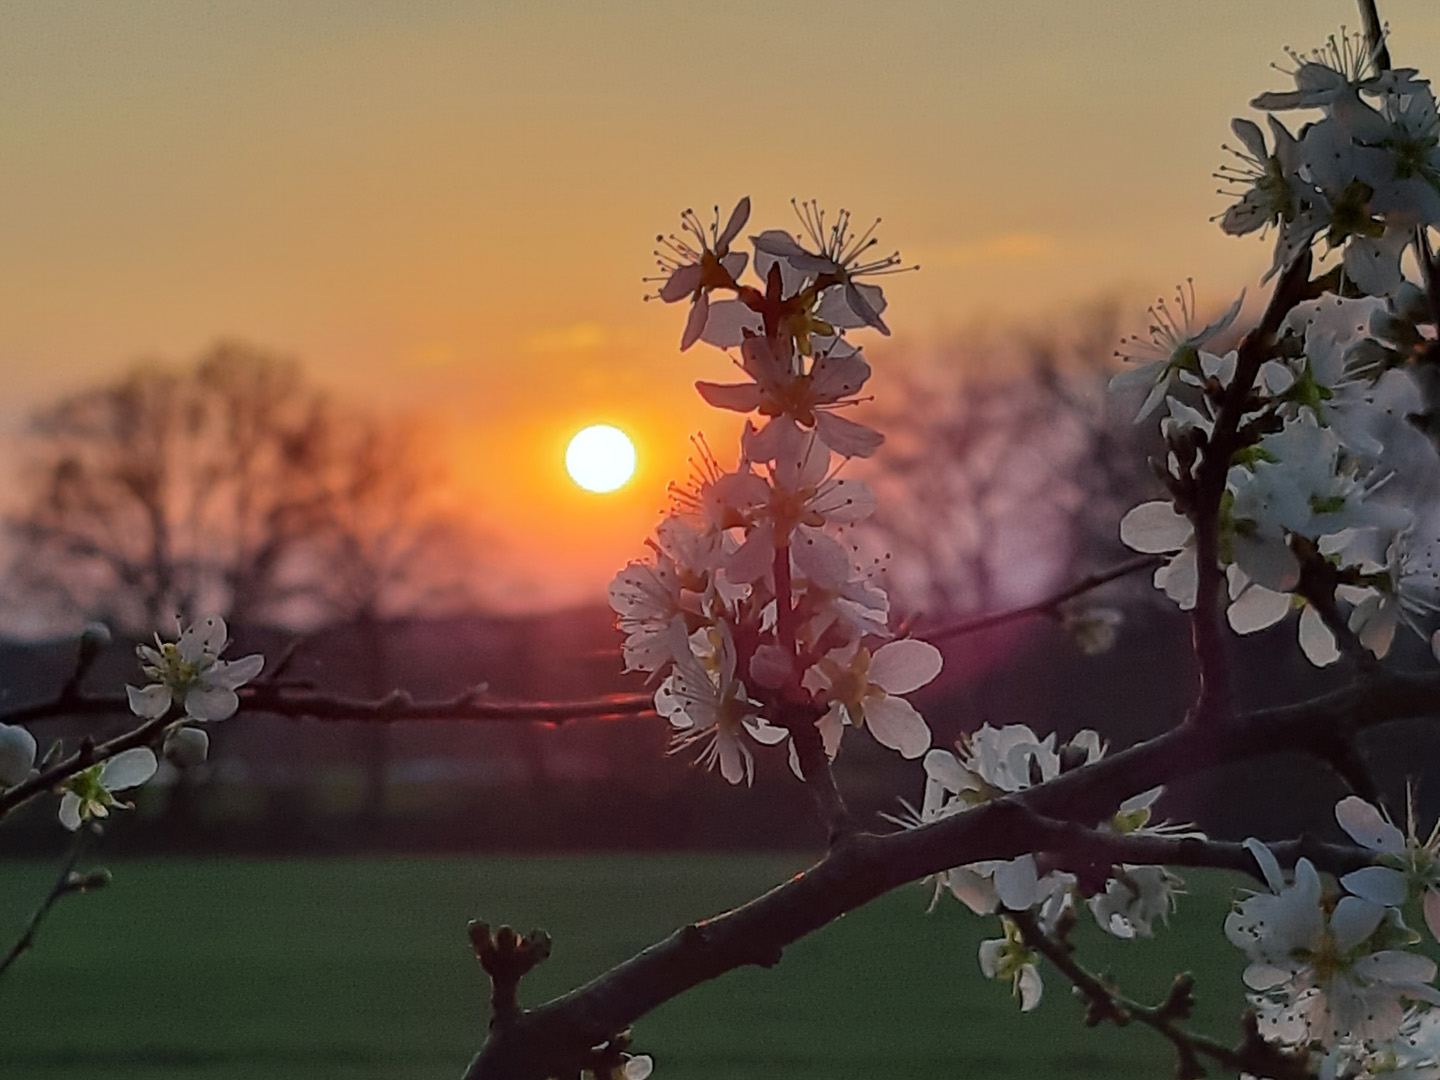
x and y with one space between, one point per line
600 458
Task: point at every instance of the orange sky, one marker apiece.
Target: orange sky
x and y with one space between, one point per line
450 204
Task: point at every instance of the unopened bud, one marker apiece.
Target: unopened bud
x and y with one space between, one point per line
186 747
95 634
1094 629
17 754
88 881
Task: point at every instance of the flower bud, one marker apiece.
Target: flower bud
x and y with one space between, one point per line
1094 629
17 754
96 634
186 747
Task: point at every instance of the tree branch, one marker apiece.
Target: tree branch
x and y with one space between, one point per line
542 1042
1048 606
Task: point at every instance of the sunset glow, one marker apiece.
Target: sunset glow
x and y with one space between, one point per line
447 209
600 458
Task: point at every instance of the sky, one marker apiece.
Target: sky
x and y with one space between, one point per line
450 206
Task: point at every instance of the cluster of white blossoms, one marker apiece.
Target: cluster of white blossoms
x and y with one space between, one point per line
189 678
752 614
1329 972
1295 461
994 762
1326 463
1364 175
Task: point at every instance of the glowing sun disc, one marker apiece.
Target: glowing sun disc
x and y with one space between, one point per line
600 458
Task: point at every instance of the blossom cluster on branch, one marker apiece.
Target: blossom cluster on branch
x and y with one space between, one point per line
758 620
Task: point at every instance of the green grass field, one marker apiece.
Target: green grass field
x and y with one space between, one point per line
360 968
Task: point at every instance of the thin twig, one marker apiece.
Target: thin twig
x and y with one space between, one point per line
64 885
89 754
1108 1003
398 707
1048 606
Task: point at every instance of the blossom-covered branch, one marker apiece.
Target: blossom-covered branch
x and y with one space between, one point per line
1051 815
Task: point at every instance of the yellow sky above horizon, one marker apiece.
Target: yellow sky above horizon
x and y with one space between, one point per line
450 204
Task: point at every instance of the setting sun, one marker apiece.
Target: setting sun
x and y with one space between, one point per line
600 458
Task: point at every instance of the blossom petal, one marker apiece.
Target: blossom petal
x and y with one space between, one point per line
975 891
755 557
1269 865
1267 561
70 811
1155 527
832 728
1377 884
231 674
1367 826
895 723
1180 578
1256 608
695 321
127 769
989 954
737 397
681 283
1017 883
211 703
1248 132
1263 976
729 322
944 768
1432 912
1030 986
1395 966
765 733
150 702
777 242
738 217
902 666
736 764
1354 920
1316 640
821 558
200 638
846 437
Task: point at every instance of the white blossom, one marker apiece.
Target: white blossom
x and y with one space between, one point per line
864 689
190 673
1314 964
1010 958
1407 866
706 704
90 793
1174 346
696 261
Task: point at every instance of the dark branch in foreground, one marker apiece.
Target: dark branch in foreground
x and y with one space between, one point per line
551 1039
